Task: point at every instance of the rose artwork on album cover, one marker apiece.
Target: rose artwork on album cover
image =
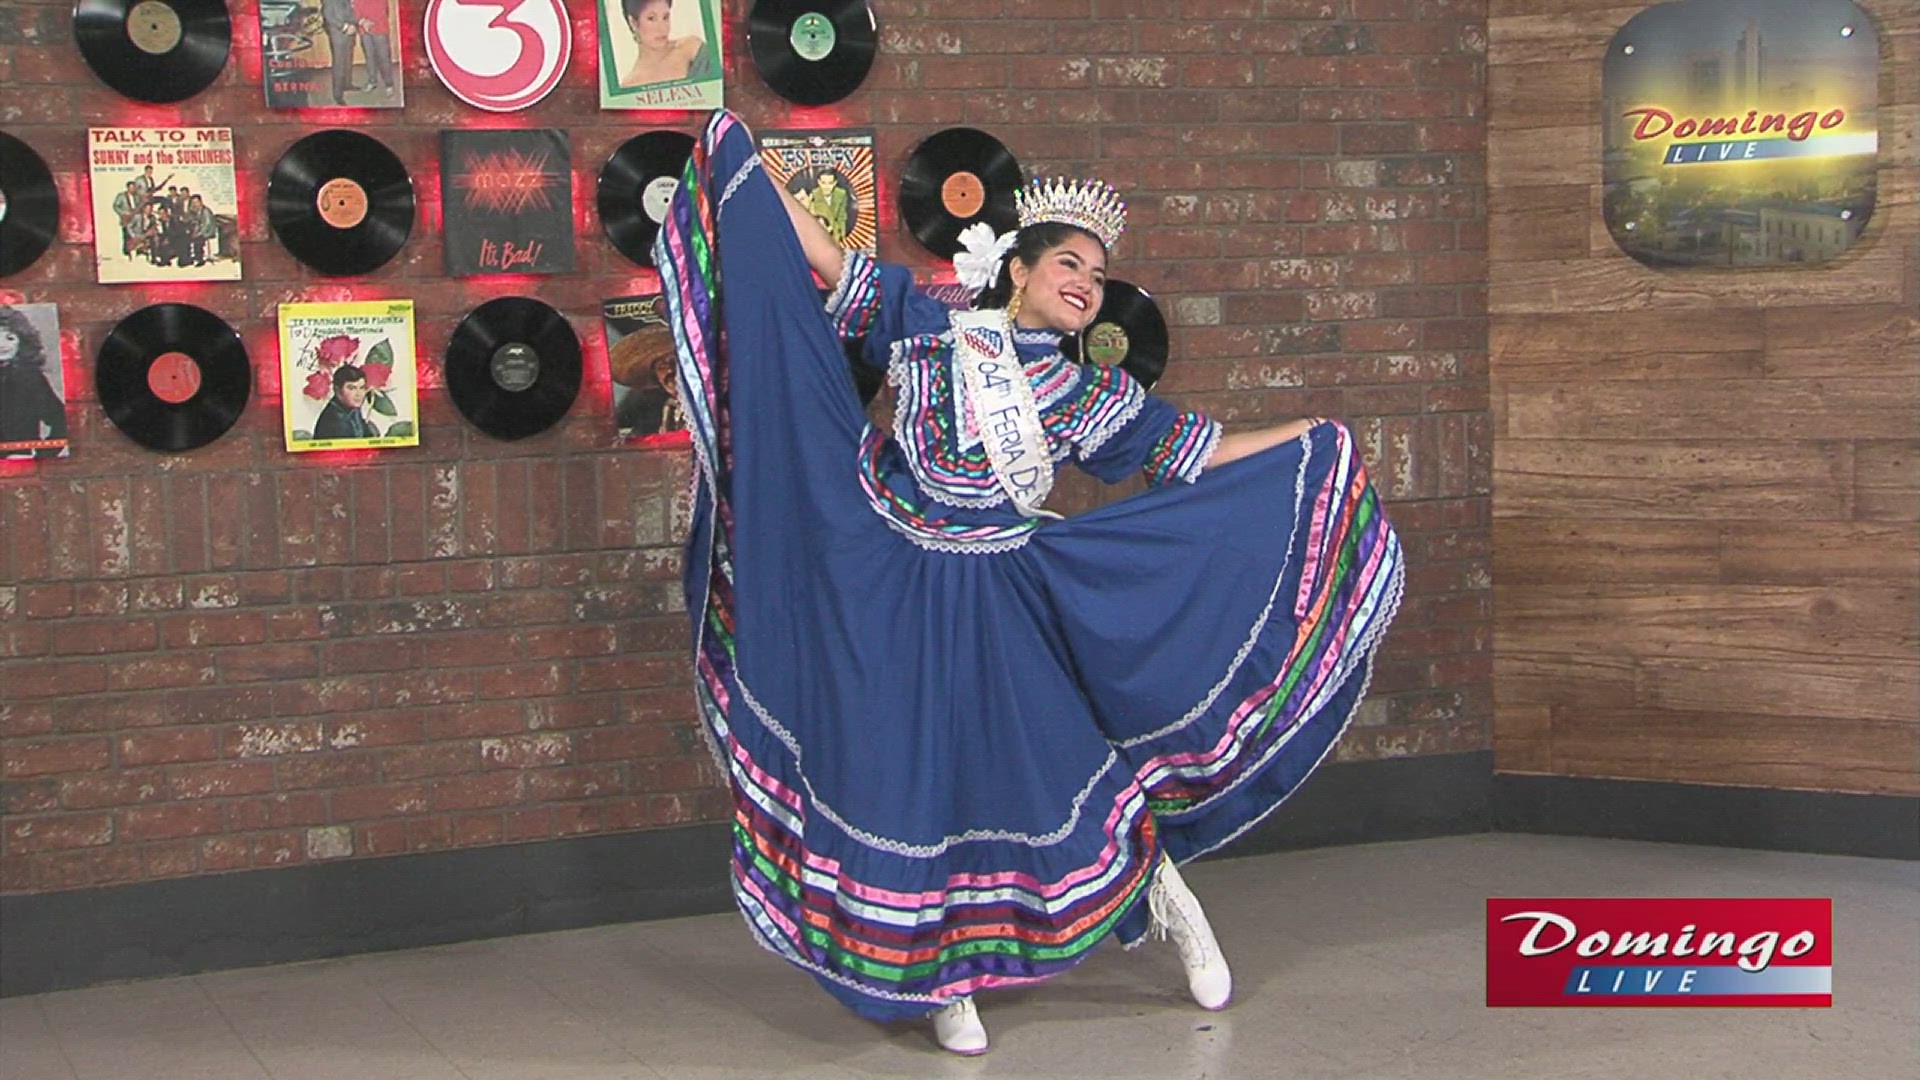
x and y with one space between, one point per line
348 375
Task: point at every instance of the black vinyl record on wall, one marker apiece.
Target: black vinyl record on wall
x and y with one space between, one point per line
1129 331
513 367
173 377
636 186
341 202
29 206
154 50
812 52
953 179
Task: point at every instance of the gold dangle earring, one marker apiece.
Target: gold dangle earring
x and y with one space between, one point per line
1013 305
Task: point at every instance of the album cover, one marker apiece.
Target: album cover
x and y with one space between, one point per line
33 387
640 358
832 173
508 200
336 53
660 54
164 204
348 379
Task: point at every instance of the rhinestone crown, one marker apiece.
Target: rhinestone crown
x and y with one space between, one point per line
1093 205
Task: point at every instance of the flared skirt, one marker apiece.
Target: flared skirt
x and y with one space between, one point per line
951 769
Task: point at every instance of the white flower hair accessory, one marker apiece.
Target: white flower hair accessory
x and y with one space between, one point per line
978 263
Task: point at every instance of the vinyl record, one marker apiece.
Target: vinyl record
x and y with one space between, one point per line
173 376
341 202
636 185
953 179
812 52
154 50
513 367
1127 330
29 206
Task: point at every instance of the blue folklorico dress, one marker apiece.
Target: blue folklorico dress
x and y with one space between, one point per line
958 738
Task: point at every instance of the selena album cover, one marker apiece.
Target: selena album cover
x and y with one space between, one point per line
33 387
660 54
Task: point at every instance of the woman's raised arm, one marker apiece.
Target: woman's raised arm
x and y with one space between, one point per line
823 254
1240 444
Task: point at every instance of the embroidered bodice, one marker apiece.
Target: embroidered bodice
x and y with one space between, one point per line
1098 416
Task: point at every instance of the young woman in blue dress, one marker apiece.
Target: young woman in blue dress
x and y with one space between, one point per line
969 740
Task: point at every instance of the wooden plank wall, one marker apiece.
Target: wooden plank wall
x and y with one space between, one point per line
1705 494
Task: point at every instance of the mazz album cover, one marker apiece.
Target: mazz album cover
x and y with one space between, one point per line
33 389
347 375
508 200
832 174
333 54
660 54
164 204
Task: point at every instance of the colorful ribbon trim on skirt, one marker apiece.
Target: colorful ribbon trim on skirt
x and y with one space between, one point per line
1348 593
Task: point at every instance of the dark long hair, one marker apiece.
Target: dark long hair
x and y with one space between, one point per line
32 353
1033 241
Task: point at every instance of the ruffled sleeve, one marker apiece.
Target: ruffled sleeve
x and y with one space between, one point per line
1183 451
1118 428
879 301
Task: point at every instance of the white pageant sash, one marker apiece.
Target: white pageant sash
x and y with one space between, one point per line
1003 408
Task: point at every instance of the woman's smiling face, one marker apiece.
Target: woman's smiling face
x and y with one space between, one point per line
9 345
1064 286
654 25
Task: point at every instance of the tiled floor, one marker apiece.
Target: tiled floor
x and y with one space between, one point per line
1349 962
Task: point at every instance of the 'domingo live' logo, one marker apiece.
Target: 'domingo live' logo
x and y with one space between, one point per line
1660 952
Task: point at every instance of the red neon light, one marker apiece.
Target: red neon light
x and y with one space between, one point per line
337 459
263 354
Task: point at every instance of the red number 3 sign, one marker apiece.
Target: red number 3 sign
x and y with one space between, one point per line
499 55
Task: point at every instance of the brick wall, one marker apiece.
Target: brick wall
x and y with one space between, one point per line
238 658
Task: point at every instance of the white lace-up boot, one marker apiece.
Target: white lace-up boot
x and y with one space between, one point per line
958 1028
1177 914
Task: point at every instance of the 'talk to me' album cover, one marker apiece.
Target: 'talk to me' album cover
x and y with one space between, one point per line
164 204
